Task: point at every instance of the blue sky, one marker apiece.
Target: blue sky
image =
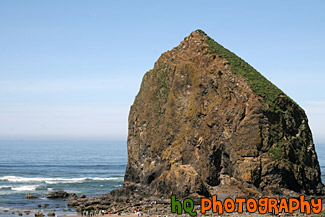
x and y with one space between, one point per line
71 69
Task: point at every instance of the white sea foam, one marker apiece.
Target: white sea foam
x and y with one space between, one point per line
55 180
64 180
25 188
21 179
105 179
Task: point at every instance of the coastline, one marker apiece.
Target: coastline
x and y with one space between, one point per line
41 167
155 210
168 214
16 212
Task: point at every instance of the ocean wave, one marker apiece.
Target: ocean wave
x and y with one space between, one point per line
53 181
56 180
25 188
106 179
5 187
5 193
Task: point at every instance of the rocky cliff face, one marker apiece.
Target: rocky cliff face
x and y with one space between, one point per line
205 119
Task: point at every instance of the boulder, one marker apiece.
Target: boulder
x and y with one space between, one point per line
31 196
74 195
204 115
73 203
60 195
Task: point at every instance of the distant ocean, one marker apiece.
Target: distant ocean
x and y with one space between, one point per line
320 150
90 168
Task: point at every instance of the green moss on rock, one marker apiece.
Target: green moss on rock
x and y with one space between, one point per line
277 151
257 82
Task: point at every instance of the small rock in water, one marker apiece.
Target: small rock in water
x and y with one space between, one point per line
60 195
39 205
51 214
30 196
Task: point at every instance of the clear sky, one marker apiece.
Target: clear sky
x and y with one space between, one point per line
71 69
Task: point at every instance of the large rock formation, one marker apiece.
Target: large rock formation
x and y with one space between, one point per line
204 118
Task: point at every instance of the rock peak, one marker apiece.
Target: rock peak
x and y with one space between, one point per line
195 37
198 33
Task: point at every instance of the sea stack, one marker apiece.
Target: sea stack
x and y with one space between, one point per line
205 120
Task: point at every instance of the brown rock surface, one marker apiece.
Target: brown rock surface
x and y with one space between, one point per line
31 196
60 195
203 115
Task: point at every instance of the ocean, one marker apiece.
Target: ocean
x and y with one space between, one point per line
320 150
39 167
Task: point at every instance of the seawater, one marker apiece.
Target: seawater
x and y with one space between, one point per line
320 150
40 167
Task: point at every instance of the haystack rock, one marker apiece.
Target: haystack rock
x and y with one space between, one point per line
204 120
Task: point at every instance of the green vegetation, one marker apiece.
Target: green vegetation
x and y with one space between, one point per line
161 76
161 92
257 82
277 151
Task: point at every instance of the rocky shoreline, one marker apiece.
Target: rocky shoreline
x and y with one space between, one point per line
115 203
13 212
154 208
54 204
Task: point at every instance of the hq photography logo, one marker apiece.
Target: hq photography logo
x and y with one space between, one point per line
261 205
